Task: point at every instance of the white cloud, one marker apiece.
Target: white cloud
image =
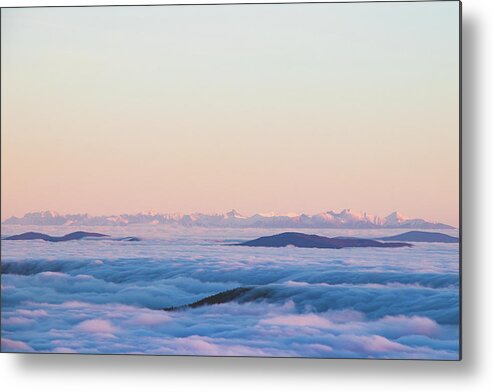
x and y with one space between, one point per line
96 326
14 345
305 302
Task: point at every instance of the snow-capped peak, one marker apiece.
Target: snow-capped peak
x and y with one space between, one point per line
47 214
234 214
395 218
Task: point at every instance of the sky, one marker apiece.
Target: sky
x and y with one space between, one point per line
285 108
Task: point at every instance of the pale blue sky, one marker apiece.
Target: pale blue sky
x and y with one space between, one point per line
206 108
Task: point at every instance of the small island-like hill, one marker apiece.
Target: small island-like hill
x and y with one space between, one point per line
301 240
76 235
421 236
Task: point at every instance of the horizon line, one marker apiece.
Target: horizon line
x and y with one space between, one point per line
270 214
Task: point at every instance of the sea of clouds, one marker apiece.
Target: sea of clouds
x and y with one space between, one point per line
102 296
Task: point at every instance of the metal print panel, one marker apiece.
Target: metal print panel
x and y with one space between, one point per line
330 132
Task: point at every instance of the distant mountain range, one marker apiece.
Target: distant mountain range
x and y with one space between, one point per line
330 219
299 240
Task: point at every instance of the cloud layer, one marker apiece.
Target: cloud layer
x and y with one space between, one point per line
105 297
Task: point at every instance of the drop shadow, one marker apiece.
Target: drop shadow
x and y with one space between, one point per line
471 184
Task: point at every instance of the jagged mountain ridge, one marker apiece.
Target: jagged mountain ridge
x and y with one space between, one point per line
330 219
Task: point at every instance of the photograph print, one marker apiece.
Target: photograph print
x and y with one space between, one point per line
260 180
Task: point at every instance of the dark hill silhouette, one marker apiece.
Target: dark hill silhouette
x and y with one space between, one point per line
301 240
128 239
219 298
77 235
421 236
239 294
